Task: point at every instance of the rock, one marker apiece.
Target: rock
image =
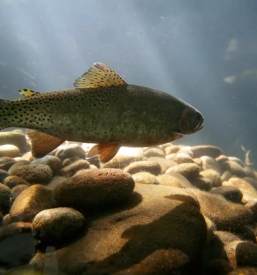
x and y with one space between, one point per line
212 206
53 162
186 150
237 160
28 156
183 158
93 167
252 181
69 161
1 218
54 225
227 237
17 245
9 150
6 163
234 168
188 170
70 151
143 166
241 253
252 206
151 236
29 270
18 189
202 183
244 271
245 233
210 163
30 202
221 159
94 188
163 162
14 138
5 198
120 161
218 266
3 175
168 180
12 181
56 181
18 164
249 172
198 161
230 193
213 176
248 191
225 176
34 173
7 219
183 181
70 170
171 149
206 150
154 152
145 178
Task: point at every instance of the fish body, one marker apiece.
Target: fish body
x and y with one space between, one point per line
102 109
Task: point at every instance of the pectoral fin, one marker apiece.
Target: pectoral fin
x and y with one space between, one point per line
42 143
105 151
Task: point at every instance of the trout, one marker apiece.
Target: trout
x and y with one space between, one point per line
103 109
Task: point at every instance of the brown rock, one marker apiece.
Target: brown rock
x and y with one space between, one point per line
183 181
5 198
230 193
70 151
249 172
234 168
183 158
186 150
252 206
3 175
225 176
188 170
17 245
241 253
34 173
169 180
15 138
53 162
56 181
145 178
218 267
198 161
171 149
94 188
143 166
206 150
213 176
121 161
154 152
18 189
210 163
9 150
6 163
13 181
213 207
237 160
248 191
252 181
57 224
71 169
151 237
244 271
221 159
30 202
163 162
17 164
202 183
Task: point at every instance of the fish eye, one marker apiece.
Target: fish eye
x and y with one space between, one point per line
198 116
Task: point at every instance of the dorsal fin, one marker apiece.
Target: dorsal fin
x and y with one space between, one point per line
42 143
99 75
105 151
28 92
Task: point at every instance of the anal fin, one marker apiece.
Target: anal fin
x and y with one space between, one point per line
42 143
105 151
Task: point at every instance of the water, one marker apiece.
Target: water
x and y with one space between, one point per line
203 52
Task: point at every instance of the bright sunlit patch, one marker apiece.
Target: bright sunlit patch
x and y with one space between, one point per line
230 79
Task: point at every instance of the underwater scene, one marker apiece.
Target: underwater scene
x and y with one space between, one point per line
128 137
